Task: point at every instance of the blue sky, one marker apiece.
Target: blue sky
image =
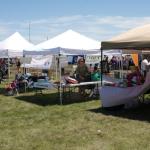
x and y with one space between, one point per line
98 19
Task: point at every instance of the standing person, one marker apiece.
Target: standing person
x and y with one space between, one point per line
18 64
107 64
144 65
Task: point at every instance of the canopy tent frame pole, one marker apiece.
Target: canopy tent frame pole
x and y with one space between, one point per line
24 72
55 67
60 88
8 66
121 65
101 66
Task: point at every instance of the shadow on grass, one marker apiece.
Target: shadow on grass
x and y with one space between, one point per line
52 99
140 113
2 90
40 99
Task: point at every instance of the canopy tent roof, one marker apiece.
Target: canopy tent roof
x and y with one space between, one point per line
15 44
69 42
137 38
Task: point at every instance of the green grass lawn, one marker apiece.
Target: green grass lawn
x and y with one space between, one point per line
38 122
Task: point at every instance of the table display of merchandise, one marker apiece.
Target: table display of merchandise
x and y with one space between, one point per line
123 92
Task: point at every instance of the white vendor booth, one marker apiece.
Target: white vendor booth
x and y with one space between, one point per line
67 43
136 40
14 45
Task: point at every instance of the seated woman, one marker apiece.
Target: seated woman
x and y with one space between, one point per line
135 77
82 72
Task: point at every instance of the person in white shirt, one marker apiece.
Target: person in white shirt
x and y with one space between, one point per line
144 65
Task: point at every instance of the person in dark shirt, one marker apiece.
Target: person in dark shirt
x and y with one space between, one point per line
82 71
18 64
82 74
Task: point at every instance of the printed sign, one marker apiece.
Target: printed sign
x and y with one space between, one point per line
92 59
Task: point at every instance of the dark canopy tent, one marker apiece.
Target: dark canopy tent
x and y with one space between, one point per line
134 39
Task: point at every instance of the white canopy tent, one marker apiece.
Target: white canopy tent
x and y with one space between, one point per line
14 45
69 42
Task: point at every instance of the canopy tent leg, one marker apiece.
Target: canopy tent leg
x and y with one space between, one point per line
60 88
8 68
101 66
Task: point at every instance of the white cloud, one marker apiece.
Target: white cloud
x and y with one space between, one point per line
125 22
96 27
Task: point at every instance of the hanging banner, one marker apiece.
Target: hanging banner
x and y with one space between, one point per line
92 59
63 61
40 62
26 60
135 59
